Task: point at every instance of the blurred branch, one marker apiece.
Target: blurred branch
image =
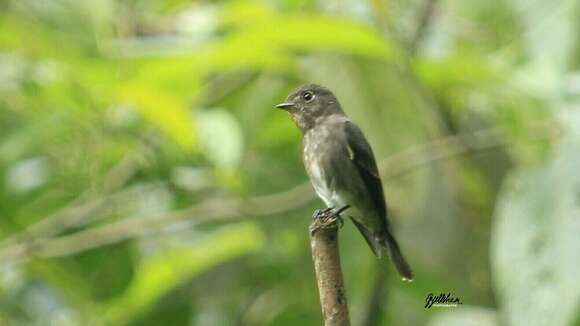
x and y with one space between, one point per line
84 208
79 212
233 209
426 12
436 124
430 109
376 304
223 85
324 245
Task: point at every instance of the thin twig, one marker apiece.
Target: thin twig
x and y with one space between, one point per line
269 205
325 254
83 209
377 298
426 13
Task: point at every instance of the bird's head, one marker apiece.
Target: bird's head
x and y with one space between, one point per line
310 105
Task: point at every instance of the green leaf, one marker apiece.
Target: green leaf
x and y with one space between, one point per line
459 70
315 32
164 111
157 276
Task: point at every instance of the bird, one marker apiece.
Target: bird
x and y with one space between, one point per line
342 167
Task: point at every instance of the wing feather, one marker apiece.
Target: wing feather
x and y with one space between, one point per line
361 154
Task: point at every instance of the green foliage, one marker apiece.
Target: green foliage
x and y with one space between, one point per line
169 269
138 137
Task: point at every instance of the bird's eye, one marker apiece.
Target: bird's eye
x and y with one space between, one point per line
308 96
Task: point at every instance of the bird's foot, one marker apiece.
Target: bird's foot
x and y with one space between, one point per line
328 216
321 212
338 217
342 209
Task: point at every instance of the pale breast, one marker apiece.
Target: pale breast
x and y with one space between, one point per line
316 159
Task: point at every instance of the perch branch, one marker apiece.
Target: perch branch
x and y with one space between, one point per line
324 244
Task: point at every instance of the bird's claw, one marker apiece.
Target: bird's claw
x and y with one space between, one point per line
335 212
321 212
342 209
340 221
316 214
327 218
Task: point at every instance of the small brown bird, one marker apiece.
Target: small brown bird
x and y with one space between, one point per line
342 167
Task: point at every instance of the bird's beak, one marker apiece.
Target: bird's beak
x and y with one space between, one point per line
285 106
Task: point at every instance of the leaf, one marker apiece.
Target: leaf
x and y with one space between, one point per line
260 26
160 274
165 111
316 32
240 13
460 70
535 249
260 42
243 52
265 44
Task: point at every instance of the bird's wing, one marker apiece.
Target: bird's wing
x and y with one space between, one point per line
360 152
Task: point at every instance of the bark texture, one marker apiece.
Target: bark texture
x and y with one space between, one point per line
324 243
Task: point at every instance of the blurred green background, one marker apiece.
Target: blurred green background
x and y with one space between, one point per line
146 179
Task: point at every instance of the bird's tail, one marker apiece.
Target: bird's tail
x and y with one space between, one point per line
397 257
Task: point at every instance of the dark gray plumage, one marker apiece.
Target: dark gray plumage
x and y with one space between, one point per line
342 167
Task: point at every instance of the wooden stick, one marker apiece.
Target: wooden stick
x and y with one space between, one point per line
324 243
